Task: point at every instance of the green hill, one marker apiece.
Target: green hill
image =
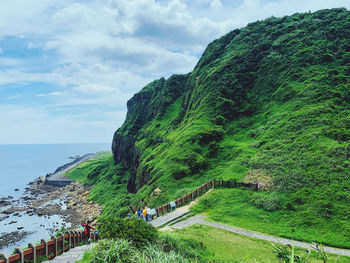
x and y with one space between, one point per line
268 103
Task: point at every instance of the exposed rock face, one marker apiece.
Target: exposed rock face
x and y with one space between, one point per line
144 106
126 153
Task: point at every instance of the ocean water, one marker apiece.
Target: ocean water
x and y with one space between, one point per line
21 164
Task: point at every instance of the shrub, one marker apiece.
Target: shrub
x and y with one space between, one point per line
137 231
155 254
121 250
109 250
188 247
267 202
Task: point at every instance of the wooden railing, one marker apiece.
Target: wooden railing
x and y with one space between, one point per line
47 249
203 188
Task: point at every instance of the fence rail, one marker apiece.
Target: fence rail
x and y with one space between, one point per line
58 245
203 188
47 249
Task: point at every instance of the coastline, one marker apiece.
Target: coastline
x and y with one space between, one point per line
62 206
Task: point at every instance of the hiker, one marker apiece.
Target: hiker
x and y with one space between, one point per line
144 214
139 213
148 210
86 233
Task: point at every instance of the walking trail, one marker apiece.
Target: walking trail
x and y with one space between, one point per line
180 213
71 256
177 214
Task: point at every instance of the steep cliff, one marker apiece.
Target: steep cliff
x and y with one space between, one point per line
268 102
150 103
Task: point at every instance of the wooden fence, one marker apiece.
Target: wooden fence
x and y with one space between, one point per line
47 249
57 246
203 188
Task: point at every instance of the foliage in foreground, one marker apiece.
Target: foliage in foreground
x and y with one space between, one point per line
167 248
135 230
120 250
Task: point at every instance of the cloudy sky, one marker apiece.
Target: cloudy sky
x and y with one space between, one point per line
67 68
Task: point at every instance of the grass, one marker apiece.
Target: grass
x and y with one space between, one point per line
225 246
236 207
267 103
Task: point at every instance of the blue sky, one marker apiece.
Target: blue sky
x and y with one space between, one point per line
67 68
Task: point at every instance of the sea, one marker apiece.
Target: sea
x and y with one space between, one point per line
21 164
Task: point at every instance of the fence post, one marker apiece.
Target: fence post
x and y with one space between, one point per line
69 240
4 258
75 238
192 195
30 245
214 181
43 241
20 252
222 183
55 239
63 241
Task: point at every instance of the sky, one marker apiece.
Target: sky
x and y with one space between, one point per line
67 68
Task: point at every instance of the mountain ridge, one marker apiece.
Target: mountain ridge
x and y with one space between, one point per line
269 104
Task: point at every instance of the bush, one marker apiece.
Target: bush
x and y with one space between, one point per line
122 251
155 254
188 247
137 231
267 202
109 250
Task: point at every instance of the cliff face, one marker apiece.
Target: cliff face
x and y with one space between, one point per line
261 103
151 102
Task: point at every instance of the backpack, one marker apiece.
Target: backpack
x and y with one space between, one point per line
86 232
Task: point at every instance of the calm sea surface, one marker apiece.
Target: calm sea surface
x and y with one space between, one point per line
21 164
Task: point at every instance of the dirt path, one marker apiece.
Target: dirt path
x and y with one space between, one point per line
199 219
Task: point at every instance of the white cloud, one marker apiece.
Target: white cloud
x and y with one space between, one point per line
97 53
55 93
216 4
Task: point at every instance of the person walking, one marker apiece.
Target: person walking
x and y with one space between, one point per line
148 210
144 214
139 213
86 234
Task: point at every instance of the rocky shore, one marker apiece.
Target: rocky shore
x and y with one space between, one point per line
77 208
46 201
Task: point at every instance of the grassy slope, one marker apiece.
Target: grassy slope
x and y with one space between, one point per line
269 102
229 247
235 207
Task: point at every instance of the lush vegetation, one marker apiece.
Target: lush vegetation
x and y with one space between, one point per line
268 103
137 231
199 244
265 212
133 240
225 246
